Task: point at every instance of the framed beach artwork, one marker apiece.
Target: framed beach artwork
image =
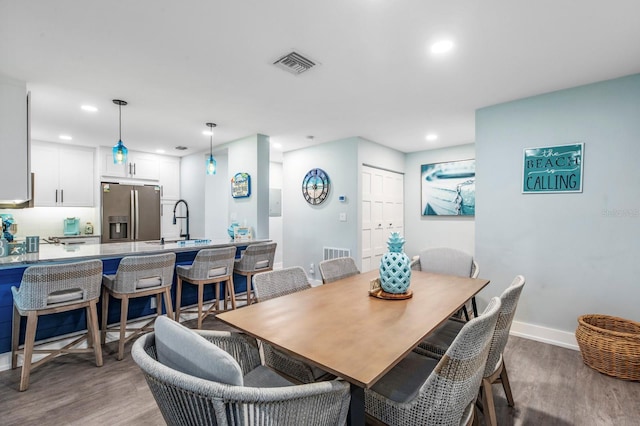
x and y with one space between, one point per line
448 189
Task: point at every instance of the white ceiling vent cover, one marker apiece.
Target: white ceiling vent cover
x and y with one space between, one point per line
295 63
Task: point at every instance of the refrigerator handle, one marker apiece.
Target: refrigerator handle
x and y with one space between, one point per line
133 220
137 215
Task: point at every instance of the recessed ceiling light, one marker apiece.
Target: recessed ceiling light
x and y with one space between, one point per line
207 132
431 137
65 137
276 145
160 151
89 108
442 46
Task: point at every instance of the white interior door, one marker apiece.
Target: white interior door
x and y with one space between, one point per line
382 212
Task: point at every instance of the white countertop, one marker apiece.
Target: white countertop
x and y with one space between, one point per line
62 252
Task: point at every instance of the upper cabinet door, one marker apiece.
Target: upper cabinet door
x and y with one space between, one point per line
77 181
46 170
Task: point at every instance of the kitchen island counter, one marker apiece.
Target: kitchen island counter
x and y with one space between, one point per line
77 252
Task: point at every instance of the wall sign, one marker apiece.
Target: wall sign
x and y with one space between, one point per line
241 185
553 169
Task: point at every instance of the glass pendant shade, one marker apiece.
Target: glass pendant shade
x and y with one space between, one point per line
211 165
120 153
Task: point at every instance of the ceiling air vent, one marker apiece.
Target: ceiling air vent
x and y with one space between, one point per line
295 63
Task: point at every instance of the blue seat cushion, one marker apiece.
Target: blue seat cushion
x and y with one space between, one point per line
184 350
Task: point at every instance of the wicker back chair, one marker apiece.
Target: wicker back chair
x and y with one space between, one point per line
51 289
211 266
337 269
256 258
137 276
449 261
424 391
184 399
269 285
437 343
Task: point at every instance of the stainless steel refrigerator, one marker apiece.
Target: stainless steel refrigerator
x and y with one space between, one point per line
130 212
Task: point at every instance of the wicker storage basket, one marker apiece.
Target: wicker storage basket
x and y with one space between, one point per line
610 345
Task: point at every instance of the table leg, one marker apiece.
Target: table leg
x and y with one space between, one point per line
356 407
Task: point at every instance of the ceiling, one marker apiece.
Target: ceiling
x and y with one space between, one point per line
182 64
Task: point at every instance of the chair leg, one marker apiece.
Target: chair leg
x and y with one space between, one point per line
178 297
15 337
200 302
229 294
105 314
167 303
504 378
488 404
249 298
124 311
94 331
29 341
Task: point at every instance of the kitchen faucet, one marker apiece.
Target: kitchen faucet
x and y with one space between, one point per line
186 236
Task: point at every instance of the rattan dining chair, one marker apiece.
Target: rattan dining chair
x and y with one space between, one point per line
51 289
137 276
436 345
210 266
449 261
269 285
336 269
256 258
215 378
421 390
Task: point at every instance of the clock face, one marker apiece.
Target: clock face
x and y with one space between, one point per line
315 186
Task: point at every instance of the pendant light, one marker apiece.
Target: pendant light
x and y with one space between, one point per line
119 150
211 162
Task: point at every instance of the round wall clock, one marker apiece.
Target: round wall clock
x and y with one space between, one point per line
315 186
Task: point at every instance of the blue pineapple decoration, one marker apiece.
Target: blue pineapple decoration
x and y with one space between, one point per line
395 270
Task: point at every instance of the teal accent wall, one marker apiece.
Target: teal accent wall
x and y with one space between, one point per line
578 251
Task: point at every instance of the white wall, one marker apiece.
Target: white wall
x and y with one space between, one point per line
579 251
434 231
275 223
216 199
192 190
308 228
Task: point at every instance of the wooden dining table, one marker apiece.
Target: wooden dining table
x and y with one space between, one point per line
341 329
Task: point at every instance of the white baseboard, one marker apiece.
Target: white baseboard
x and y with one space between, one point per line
545 335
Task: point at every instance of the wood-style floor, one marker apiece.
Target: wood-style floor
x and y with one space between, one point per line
551 386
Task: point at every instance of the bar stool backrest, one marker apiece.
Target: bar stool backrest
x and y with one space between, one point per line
137 273
211 263
44 286
256 257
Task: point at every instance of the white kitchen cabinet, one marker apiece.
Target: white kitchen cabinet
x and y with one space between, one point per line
14 140
169 168
63 175
139 165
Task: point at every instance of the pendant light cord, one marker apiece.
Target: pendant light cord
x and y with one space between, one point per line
120 121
